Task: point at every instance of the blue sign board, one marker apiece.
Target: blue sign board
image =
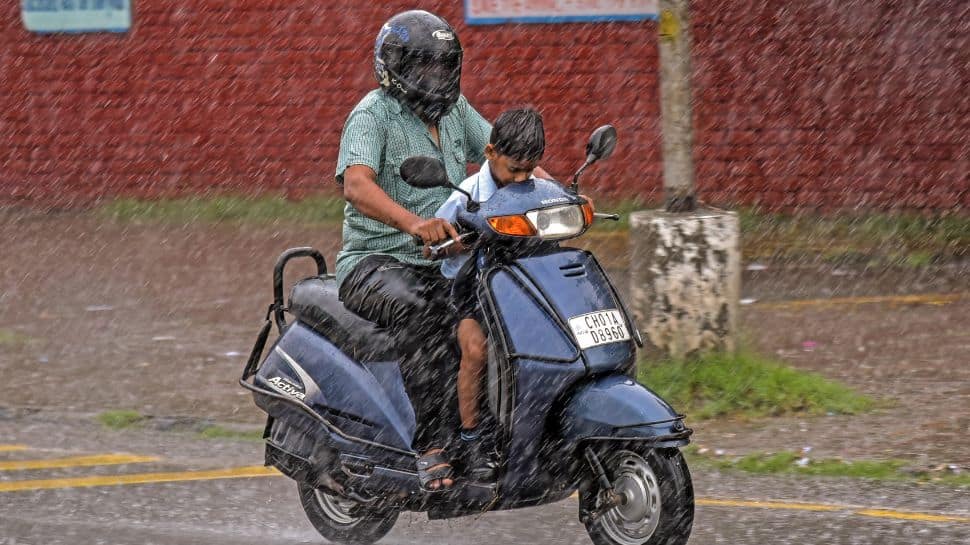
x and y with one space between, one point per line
76 15
490 12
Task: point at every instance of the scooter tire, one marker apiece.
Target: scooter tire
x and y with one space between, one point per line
344 521
667 478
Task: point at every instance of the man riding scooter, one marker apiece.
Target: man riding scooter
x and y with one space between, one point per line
384 278
561 394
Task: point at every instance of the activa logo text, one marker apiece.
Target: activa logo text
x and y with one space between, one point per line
287 387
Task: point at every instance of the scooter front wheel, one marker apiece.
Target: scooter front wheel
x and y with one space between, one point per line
342 520
657 506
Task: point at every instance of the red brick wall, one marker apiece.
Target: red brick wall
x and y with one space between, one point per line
822 105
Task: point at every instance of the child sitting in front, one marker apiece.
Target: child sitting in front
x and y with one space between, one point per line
515 147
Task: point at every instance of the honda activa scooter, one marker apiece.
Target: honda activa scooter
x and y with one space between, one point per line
568 413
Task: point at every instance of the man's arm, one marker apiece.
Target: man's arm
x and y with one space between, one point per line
361 191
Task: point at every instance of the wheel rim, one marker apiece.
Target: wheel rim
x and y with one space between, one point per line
336 508
636 520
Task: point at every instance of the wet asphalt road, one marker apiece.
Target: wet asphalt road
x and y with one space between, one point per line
265 510
156 318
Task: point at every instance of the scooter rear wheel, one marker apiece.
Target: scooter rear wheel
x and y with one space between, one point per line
343 520
658 506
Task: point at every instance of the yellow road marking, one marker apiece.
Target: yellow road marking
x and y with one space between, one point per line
261 471
769 504
906 515
824 507
139 478
76 461
926 299
879 513
12 448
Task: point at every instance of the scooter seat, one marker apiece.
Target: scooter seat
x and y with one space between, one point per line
314 302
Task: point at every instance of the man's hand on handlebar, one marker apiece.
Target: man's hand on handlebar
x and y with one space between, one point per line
432 230
433 251
448 248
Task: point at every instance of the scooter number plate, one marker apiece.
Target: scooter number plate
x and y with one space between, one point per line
599 328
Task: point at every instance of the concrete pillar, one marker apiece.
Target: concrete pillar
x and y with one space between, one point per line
685 280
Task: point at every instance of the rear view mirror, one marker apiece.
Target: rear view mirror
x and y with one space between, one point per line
600 146
424 172
601 143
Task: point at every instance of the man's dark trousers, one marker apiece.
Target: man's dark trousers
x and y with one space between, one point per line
411 303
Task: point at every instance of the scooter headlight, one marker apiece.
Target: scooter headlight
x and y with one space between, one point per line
559 222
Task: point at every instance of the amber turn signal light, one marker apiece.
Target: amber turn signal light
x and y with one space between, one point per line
588 211
516 226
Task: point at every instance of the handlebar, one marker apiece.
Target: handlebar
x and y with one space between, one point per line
436 249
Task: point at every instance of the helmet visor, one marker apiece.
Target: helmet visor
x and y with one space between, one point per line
433 72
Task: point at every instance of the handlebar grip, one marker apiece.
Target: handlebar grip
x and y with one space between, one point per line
600 216
436 250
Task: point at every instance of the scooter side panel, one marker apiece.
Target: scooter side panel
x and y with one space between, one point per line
574 284
308 368
537 386
618 407
531 331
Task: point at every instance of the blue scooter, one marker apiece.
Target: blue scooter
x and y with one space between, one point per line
568 412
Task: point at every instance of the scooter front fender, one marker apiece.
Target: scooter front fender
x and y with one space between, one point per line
615 407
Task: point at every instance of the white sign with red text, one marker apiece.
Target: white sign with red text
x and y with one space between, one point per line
486 12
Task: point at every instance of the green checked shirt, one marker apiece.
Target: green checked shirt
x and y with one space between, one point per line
380 134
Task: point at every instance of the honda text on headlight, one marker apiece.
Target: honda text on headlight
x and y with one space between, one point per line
547 223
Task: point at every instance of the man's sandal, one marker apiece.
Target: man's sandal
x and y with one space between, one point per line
433 467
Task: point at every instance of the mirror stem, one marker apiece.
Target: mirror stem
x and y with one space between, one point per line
472 205
574 189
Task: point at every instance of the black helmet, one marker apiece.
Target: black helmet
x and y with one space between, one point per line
417 59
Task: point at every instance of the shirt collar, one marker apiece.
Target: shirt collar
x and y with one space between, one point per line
392 103
486 185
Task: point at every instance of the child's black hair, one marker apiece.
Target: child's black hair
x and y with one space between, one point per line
519 134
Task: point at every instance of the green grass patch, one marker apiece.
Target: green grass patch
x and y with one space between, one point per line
917 258
219 432
905 240
791 463
747 385
227 208
121 419
10 338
